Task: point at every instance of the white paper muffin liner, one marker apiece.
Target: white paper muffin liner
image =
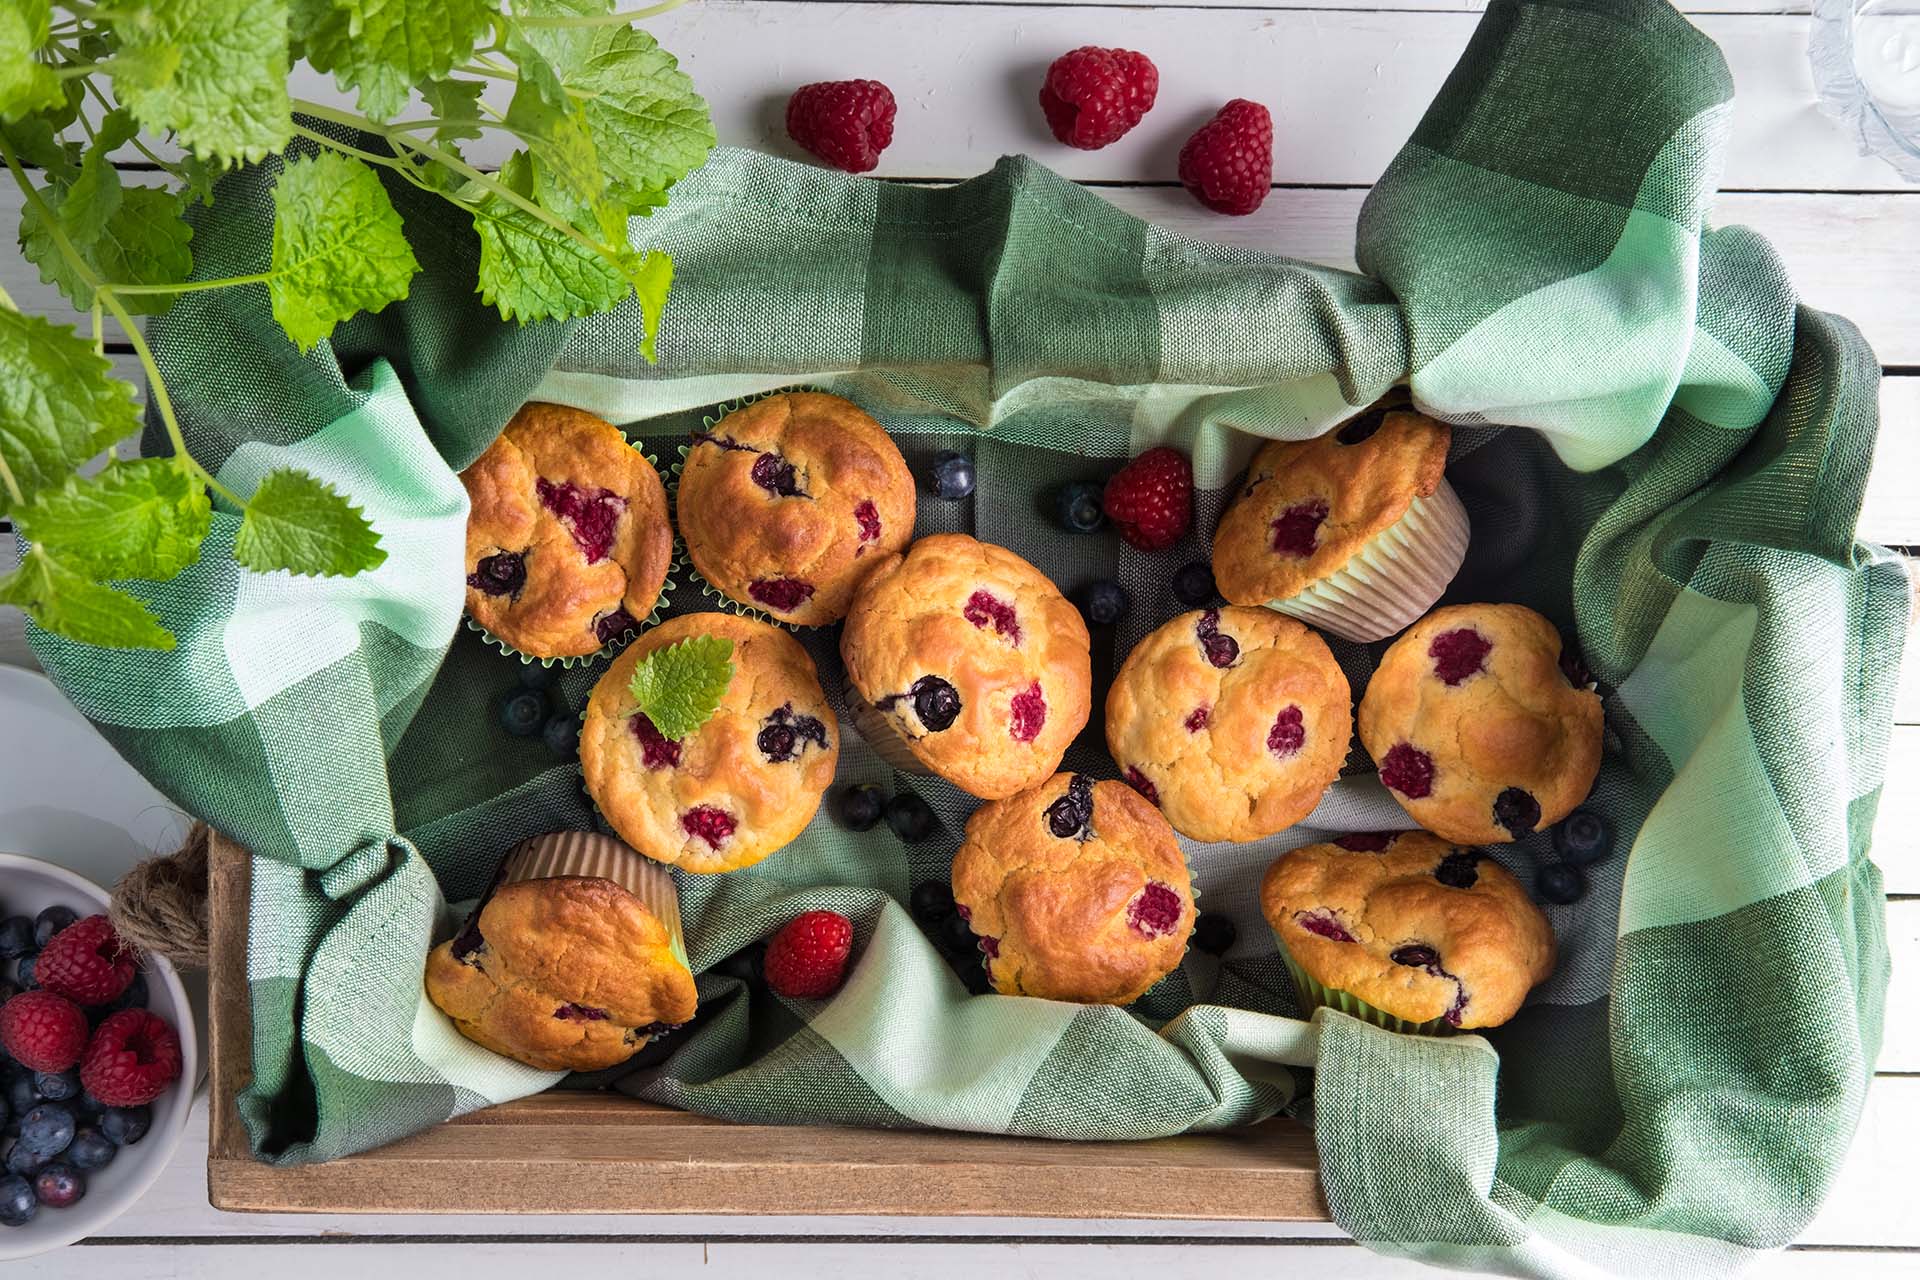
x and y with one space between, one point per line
881 733
588 853
1394 578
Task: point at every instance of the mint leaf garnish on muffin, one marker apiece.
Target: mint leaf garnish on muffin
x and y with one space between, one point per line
680 686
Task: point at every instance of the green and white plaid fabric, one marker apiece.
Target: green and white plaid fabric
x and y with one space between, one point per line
1678 1095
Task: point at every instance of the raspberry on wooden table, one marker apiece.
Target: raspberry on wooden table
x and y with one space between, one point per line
1150 500
1228 162
808 957
846 123
133 1056
87 962
1093 97
43 1031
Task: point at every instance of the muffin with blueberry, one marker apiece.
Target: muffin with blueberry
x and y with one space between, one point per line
1478 727
1234 721
572 961
743 783
1356 532
788 502
1077 891
966 662
568 541
1407 931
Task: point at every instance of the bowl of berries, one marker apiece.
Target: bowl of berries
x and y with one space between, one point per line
97 1060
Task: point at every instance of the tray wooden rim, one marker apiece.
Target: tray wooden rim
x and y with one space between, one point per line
601 1153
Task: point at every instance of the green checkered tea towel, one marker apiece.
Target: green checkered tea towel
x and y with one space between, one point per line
1658 449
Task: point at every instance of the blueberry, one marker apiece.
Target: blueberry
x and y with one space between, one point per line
932 901
47 1129
1517 811
124 1126
974 976
562 735
861 806
57 1086
23 971
1105 602
134 997
22 1097
50 922
88 1106
911 818
1077 507
16 937
18 1204
8 990
6 1114
23 1159
522 712
957 936
1559 883
1213 933
538 675
90 1150
1193 584
936 702
1583 837
59 1186
952 475
744 964
1068 818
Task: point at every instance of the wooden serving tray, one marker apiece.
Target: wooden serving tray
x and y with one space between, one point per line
604 1153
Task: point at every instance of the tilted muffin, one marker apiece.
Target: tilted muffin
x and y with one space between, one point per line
969 658
1078 891
1407 931
1478 732
1356 532
572 961
788 502
568 541
1234 721
743 784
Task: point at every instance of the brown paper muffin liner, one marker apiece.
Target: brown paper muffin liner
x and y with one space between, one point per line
588 853
880 732
1314 994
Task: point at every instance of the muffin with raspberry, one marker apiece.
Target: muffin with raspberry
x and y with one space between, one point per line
572 961
966 662
1407 931
1077 890
568 541
1479 730
1356 532
1234 721
741 785
787 503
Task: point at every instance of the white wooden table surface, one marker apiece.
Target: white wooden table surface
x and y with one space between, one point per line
1346 85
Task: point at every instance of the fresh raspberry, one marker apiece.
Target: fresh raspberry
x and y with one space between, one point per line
43 1031
847 123
1151 499
807 958
1093 97
1228 162
133 1056
86 962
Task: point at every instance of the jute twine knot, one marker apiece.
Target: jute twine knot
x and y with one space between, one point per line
161 905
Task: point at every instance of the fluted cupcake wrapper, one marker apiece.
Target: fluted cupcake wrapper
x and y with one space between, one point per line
1314 994
1394 578
881 733
588 853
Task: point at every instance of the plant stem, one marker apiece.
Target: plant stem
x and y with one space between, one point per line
14 496
512 197
371 157
185 286
99 342
599 19
6 299
479 69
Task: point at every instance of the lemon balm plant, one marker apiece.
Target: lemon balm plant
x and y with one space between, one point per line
603 123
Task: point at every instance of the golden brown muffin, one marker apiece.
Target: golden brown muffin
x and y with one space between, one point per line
1420 930
975 658
1309 506
568 973
786 504
1234 721
567 534
740 786
1478 732
1077 890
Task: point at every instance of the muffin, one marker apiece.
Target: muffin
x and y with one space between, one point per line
1406 931
965 660
1477 730
787 503
1234 721
572 961
1078 891
740 786
1356 532
567 535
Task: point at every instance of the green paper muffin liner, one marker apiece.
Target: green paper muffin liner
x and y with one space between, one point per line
1392 580
1314 994
588 853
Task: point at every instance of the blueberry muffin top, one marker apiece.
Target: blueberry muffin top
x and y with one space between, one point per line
787 503
1478 731
1077 890
568 540
1416 927
569 973
1234 721
1309 506
740 786
976 658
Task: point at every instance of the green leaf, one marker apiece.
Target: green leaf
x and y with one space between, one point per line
338 246
59 404
383 47
454 100
141 519
36 140
651 274
66 603
197 176
94 197
144 242
26 86
304 525
680 687
226 97
531 271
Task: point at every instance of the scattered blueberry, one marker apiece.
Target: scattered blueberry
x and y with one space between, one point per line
744 964
57 1086
23 1159
18 1204
1105 602
538 675
23 971
1077 507
974 977
562 734
1193 584
1213 933
1560 884
911 818
861 806
59 1186
124 1126
523 711
952 475
957 936
90 1150
47 1129
1583 837
50 922
16 937
932 901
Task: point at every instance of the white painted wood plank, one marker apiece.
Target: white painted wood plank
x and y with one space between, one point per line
1900 1043
1896 830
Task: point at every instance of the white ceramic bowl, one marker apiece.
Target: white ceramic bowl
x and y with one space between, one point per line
26 886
